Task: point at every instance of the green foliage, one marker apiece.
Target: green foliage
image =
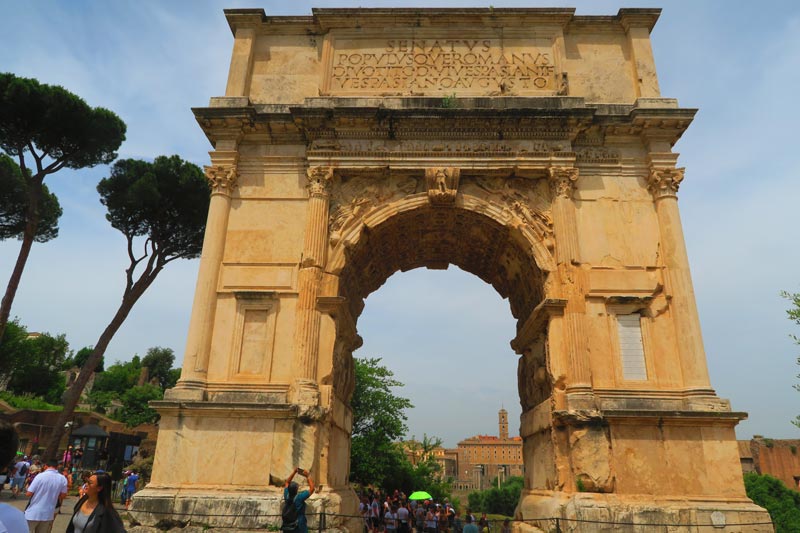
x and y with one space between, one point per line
449 101
119 382
376 458
159 363
56 129
119 377
33 365
794 315
27 402
782 503
135 410
378 421
12 347
502 501
80 357
14 205
376 409
165 201
99 401
58 123
475 501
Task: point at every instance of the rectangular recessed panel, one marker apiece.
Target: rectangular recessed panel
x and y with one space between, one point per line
630 347
255 339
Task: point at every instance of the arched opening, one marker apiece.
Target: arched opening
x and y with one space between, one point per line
435 237
464 235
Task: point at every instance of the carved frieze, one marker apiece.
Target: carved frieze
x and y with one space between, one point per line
442 184
494 148
355 197
222 178
534 381
664 182
524 198
596 154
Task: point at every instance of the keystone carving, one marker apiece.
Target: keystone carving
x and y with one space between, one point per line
221 178
562 181
442 184
319 180
664 182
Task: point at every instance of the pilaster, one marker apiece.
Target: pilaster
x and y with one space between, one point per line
310 276
562 184
222 177
663 182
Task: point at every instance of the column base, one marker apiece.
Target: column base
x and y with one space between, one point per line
241 510
592 512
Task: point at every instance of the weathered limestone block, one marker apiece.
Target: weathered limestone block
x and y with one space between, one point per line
294 445
591 460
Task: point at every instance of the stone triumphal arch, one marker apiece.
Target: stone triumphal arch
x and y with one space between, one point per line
530 147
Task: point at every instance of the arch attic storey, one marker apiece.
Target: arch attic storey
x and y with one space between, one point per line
561 193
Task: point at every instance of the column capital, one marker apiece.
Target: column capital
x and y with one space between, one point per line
319 180
222 178
664 182
562 181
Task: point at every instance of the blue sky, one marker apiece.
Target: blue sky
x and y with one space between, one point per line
150 62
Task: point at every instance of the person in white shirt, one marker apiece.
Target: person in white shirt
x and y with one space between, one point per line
46 491
12 520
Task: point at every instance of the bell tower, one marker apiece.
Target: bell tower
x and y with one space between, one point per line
502 416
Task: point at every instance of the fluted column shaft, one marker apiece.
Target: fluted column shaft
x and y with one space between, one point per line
222 177
310 275
663 184
565 226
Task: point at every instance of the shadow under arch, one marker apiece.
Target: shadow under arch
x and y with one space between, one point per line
481 237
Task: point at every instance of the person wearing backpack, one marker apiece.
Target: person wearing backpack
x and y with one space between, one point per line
20 474
293 515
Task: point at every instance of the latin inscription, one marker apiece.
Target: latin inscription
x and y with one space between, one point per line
444 65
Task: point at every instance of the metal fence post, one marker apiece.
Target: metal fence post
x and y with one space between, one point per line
558 526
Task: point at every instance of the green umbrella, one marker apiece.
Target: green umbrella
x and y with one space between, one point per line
420 495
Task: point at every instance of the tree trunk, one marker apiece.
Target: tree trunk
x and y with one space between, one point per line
73 394
31 224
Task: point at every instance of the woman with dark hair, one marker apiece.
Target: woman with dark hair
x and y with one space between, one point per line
94 512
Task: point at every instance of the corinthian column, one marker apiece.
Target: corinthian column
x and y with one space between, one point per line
562 184
222 176
663 183
310 275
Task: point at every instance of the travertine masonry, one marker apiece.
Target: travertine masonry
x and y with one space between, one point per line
530 147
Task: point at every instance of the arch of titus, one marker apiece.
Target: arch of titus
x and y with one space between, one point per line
530 147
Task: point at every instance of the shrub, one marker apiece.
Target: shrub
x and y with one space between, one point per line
782 503
27 402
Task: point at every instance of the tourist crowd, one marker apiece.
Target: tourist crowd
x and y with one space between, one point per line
396 513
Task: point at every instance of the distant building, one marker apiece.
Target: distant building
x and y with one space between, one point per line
477 460
779 458
481 458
